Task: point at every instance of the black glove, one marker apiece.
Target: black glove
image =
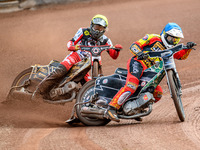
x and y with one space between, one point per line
190 45
141 56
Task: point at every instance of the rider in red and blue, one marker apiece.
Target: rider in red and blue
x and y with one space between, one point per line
170 36
92 36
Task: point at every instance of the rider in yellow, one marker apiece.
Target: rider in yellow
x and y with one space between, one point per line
169 37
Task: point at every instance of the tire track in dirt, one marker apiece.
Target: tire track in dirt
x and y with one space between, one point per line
35 121
80 136
33 137
191 127
180 134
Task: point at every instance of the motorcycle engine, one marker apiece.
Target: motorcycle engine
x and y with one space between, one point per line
135 106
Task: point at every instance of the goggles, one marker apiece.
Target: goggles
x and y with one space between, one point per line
98 28
173 40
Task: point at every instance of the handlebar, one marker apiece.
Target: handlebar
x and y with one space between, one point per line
103 47
97 50
164 53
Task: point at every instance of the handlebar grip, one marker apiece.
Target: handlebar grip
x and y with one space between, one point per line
194 48
185 47
117 49
143 56
77 47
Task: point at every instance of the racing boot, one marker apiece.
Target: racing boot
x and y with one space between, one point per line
112 114
48 82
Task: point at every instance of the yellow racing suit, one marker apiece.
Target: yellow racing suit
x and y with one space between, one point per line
150 42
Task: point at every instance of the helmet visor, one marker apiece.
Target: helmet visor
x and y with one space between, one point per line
173 40
99 21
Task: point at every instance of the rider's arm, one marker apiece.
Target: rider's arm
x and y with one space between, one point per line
113 53
183 54
77 37
137 46
145 43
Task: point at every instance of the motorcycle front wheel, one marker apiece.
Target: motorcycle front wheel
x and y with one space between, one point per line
95 70
173 83
84 95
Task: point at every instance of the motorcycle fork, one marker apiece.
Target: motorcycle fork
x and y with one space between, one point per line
178 83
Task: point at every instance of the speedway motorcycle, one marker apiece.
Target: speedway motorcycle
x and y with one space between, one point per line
94 97
26 82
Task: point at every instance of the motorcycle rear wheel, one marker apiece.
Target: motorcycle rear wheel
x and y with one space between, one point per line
23 76
18 81
176 95
85 92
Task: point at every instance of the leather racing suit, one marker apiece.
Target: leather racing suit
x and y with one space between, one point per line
83 37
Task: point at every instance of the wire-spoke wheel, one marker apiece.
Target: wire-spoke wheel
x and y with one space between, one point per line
175 91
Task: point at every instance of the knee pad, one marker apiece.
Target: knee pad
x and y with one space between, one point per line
87 77
123 94
120 98
158 92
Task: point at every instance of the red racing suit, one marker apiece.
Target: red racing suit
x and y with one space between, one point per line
150 42
83 37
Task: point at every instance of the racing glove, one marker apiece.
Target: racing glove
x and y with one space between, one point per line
73 48
190 45
118 47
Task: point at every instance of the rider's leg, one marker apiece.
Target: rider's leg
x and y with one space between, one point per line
158 92
49 81
87 77
135 71
56 76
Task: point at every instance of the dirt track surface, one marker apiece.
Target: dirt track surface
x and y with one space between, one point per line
36 37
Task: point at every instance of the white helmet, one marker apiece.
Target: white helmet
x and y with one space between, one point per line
171 35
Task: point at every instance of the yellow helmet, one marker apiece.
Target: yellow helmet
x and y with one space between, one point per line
100 20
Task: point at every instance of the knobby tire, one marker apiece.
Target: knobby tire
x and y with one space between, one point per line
95 71
23 76
176 95
18 81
